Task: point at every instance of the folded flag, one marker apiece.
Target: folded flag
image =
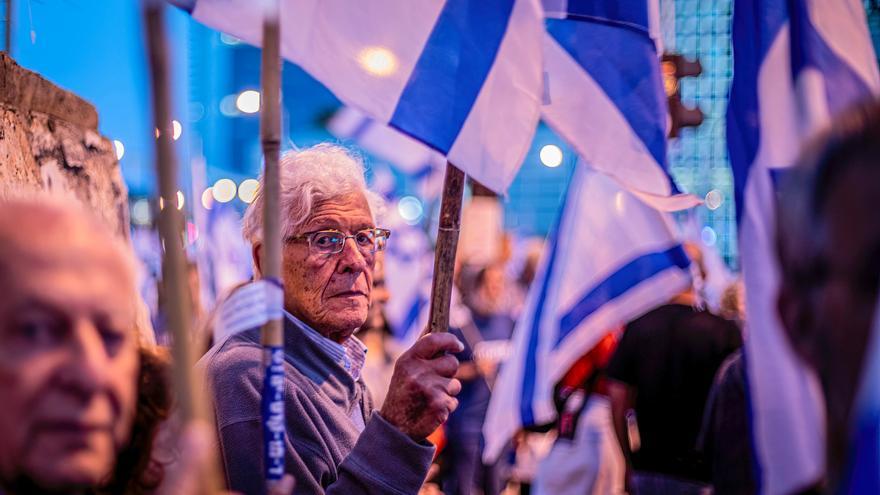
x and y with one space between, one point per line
610 259
796 64
605 93
463 77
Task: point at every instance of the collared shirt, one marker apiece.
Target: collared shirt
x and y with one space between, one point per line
351 354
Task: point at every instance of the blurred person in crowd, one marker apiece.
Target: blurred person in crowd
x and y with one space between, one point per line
828 238
68 348
376 335
336 441
660 377
585 457
486 338
725 438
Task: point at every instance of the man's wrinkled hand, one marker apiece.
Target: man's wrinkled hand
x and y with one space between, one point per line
423 388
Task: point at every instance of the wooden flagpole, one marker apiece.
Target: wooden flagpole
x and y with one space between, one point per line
272 332
447 245
191 400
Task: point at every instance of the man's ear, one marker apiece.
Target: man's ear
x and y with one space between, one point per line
256 251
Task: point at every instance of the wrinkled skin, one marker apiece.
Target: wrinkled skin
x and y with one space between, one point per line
332 294
68 350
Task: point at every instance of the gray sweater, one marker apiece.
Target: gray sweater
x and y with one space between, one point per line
325 450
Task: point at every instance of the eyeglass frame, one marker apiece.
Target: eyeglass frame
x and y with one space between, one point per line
308 236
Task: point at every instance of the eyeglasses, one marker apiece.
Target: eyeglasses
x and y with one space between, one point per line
332 241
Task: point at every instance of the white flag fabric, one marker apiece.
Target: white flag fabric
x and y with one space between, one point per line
610 259
463 77
407 154
605 93
796 64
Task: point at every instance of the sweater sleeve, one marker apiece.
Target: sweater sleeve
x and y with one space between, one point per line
384 460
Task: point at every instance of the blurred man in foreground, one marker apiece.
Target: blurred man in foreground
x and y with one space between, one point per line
829 248
68 348
336 441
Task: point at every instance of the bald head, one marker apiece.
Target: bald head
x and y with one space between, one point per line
68 348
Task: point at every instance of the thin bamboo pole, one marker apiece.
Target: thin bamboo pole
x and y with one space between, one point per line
272 332
447 245
191 400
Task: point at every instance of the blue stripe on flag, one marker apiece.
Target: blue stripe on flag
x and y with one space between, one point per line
450 72
618 283
530 366
843 85
754 27
625 65
412 317
633 13
527 412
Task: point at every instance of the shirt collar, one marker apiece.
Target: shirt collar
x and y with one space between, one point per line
351 354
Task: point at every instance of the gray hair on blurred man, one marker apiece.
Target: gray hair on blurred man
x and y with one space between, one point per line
68 347
336 441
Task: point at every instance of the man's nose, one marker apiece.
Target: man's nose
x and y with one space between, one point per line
89 361
351 258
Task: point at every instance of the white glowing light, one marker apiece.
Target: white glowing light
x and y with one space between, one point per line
223 190
551 156
120 149
248 101
410 209
378 61
714 199
140 212
709 236
208 198
247 190
228 39
176 130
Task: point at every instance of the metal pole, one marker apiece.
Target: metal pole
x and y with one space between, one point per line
447 244
272 332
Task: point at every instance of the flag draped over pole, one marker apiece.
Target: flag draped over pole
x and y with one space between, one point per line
605 93
796 64
610 259
463 77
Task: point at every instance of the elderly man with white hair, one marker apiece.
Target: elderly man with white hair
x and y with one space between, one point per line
336 442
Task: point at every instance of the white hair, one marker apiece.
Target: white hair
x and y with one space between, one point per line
308 176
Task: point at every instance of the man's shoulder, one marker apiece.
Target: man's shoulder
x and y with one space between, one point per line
238 354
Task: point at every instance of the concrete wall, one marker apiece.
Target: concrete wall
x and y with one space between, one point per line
49 141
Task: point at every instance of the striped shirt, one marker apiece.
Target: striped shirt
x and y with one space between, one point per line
351 354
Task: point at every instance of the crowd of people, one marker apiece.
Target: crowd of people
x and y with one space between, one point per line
659 405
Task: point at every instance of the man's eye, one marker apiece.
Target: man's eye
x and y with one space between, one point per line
113 340
39 331
364 239
326 240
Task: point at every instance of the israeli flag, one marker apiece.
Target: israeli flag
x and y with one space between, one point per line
407 154
605 93
796 64
463 77
610 259
864 471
